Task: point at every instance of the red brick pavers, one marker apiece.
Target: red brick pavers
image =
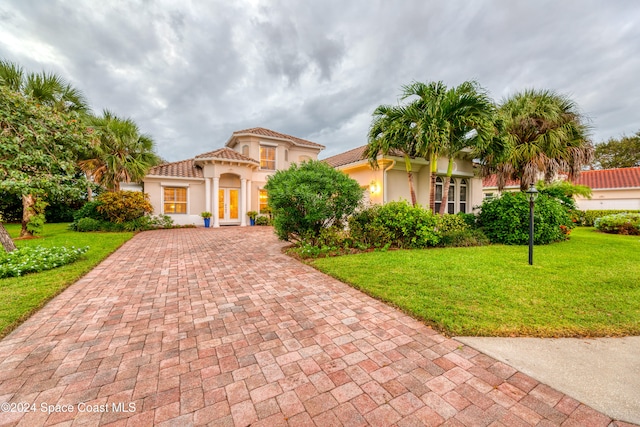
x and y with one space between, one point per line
218 327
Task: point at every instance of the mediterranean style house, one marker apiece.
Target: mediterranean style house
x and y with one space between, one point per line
612 189
229 182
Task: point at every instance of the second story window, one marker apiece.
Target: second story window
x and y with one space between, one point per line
267 157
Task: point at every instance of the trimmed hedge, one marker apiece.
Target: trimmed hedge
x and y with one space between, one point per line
589 217
621 223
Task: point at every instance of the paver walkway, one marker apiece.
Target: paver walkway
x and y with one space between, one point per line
217 327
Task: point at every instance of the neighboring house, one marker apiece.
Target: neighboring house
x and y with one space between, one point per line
389 181
611 188
229 181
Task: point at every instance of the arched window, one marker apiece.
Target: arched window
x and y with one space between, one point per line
286 155
463 195
439 186
451 198
245 150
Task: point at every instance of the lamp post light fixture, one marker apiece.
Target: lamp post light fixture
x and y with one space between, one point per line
532 194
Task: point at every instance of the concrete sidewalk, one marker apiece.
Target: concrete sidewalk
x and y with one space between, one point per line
603 373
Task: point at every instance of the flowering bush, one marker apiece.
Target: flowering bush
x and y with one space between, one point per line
37 258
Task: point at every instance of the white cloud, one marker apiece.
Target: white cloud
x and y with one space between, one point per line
190 73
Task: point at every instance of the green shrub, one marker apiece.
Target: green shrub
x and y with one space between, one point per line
620 223
464 238
468 218
505 219
143 223
89 210
263 220
395 224
451 222
309 197
87 224
30 259
588 218
123 206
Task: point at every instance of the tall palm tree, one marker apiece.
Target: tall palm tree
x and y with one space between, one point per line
452 120
120 154
545 133
394 131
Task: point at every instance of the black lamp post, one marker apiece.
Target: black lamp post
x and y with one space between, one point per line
532 193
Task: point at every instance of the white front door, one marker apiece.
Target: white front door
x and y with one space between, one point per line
228 205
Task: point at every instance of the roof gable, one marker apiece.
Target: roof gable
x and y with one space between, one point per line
182 169
226 154
354 155
277 135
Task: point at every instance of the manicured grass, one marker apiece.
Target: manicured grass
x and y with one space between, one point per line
587 286
22 296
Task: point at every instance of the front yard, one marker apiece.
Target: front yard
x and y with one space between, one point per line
588 286
22 296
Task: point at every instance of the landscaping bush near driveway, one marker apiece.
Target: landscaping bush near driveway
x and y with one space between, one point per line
36 259
394 224
309 197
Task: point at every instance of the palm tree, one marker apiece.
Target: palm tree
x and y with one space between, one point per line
426 108
545 133
394 131
120 154
453 120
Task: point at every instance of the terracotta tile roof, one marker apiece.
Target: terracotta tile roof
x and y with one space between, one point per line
610 178
352 156
267 132
227 154
595 179
183 169
492 181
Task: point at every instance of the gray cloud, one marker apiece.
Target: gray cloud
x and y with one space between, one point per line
190 73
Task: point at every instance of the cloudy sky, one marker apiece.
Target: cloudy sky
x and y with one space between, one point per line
192 72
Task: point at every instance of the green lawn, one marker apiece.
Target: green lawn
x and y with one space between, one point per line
22 296
587 286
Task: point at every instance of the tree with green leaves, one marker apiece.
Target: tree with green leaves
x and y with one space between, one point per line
393 131
618 153
120 152
39 146
309 197
544 133
451 120
49 90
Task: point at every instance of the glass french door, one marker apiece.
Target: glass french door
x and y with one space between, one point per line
228 205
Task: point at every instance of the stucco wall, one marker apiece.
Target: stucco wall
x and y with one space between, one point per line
195 198
611 199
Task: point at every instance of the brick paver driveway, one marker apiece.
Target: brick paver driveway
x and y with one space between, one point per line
217 327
